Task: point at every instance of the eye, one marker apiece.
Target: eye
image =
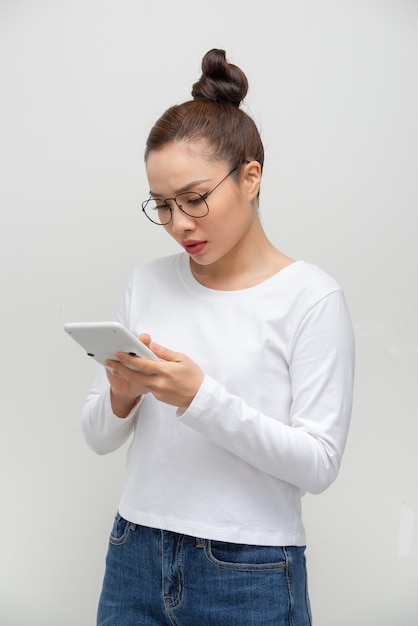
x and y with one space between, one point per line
160 204
195 200
191 199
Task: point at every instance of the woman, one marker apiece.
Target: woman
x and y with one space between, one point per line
247 407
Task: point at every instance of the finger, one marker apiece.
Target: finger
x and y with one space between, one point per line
111 369
132 363
145 338
164 353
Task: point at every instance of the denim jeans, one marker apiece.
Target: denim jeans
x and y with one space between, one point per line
161 577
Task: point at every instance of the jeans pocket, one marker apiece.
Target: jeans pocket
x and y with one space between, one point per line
245 557
120 530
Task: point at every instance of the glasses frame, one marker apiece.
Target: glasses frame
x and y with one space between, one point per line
171 208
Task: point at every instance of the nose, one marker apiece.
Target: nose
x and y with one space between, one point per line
180 222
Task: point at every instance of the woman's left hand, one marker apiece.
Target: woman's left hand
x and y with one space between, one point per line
174 379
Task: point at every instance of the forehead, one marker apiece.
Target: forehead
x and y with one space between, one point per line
178 164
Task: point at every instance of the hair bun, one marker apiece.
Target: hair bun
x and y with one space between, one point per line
220 81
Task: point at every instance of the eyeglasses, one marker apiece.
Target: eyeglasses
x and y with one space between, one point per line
193 204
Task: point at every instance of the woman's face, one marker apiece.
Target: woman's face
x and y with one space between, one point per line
225 230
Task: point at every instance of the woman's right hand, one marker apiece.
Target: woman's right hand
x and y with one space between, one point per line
124 394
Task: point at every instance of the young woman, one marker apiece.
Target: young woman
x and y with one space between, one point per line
247 407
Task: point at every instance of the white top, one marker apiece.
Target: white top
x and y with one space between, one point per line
269 421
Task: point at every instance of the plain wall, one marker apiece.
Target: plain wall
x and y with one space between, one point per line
333 89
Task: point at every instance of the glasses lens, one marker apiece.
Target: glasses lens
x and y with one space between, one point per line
192 204
157 211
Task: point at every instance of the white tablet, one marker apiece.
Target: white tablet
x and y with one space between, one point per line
101 340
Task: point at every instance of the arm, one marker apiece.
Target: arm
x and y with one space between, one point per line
112 404
103 430
306 452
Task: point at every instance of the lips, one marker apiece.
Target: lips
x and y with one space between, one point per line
194 247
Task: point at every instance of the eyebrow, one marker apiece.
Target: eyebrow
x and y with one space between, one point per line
187 187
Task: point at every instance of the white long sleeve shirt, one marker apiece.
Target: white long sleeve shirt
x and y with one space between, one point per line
269 421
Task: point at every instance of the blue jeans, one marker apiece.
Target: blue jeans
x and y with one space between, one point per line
160 577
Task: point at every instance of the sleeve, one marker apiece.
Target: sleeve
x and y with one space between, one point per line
307 451
102 429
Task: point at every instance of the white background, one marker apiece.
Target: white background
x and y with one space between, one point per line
333 89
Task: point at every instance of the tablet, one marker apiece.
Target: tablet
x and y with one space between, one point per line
101 340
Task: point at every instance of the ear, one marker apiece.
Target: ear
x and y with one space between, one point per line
252 178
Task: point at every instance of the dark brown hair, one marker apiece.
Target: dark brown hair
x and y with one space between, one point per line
213 115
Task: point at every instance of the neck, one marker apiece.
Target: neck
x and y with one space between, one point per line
254 261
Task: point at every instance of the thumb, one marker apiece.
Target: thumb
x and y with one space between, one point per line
145 338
